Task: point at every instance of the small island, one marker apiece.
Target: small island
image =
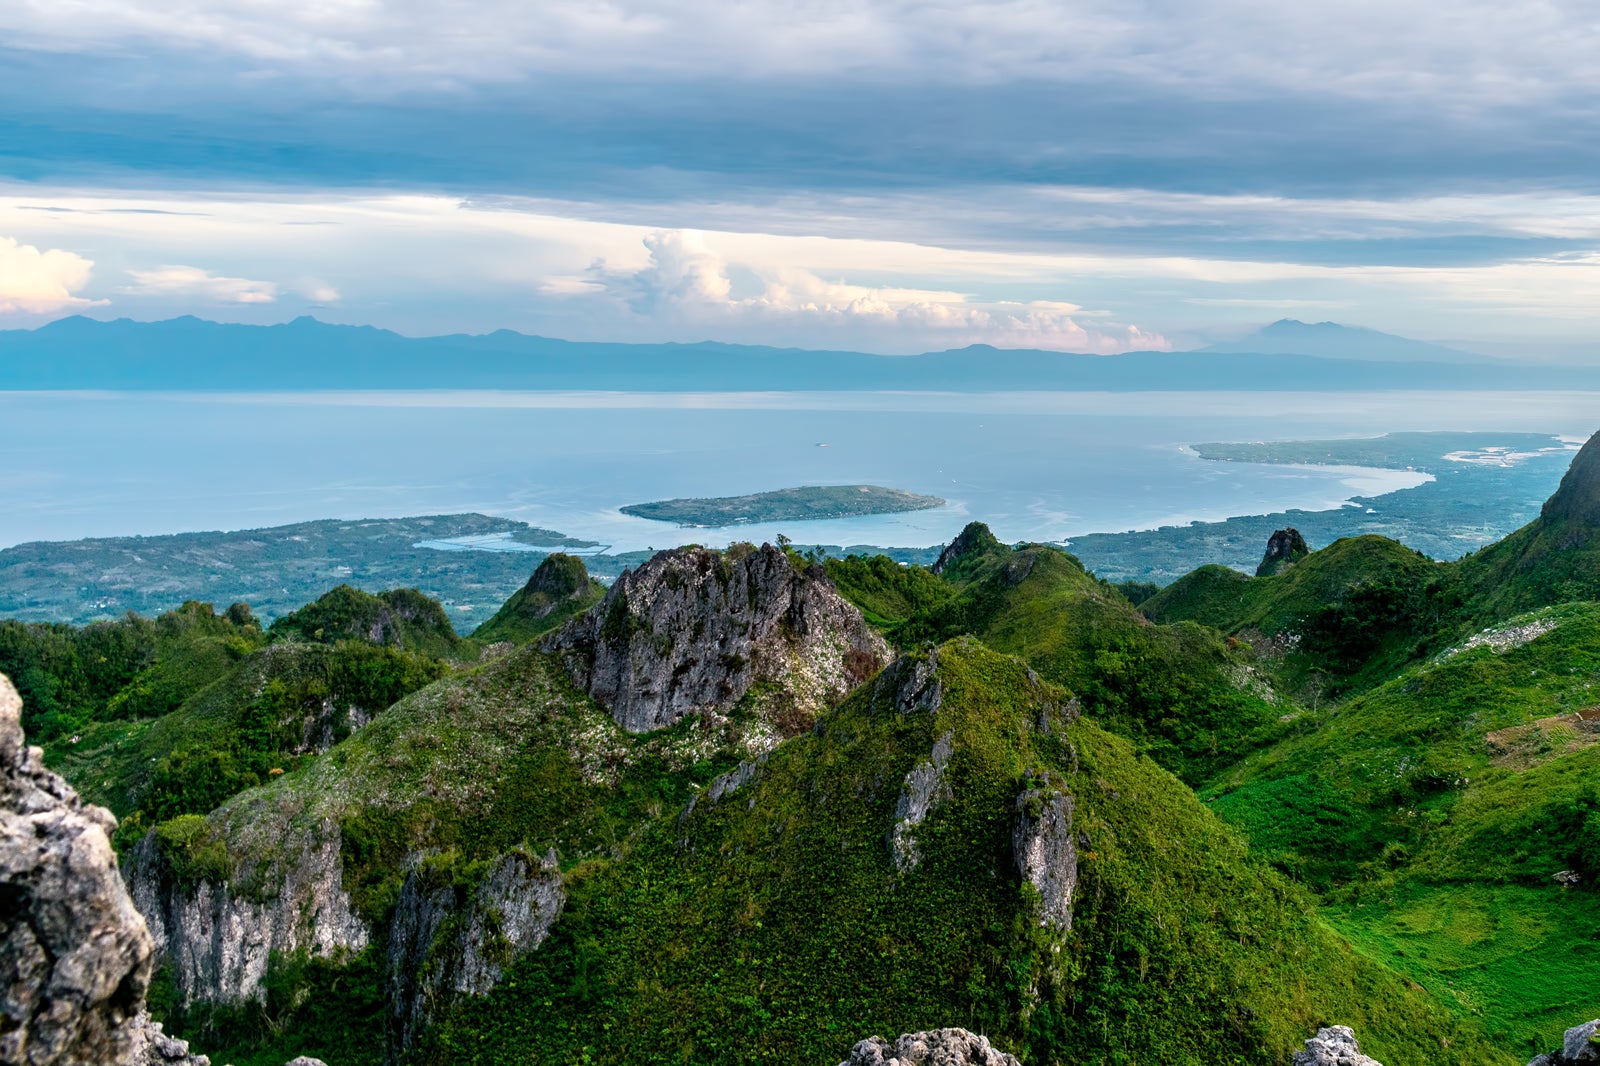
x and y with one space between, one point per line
804 504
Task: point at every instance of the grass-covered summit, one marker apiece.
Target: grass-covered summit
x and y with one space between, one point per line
785 505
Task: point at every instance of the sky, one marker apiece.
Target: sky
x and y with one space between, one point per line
882 175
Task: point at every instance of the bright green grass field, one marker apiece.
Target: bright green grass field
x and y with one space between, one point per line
1523 961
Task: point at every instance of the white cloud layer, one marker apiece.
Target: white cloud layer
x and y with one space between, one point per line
687 281
34 282
195 283
1479 50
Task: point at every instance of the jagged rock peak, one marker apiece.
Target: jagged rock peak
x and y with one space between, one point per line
1578 498
937 1047
1284 548
75 957
1580 1044
973 542
693 630
1334 1046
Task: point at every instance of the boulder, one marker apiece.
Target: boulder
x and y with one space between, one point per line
75 956
149 1046
1580 1045
1333 1046
937 1047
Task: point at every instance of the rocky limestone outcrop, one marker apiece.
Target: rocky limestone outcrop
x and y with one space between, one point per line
1333 1046
1045 848
1580 1044
445 941
1578 497
561 578
922 793
220 938
910 684
75 957
1284 548
694 630
972 543
149 1046
937 1047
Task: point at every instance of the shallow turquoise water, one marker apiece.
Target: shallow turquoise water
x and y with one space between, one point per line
1041 466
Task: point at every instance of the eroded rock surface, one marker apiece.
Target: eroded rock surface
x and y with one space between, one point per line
75 957
149 1046
431 957
937 1047
1580 1045
1284 548
219 938
922 792
1334 1046
1045 848
694 630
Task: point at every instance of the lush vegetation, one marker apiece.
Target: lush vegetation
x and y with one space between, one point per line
558 590
775 928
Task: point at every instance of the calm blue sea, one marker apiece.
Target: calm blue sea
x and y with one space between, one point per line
1041 466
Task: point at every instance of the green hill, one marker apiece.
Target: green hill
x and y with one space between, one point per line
778 927
1191 700
559 589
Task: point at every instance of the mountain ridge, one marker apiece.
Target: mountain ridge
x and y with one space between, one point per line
191 354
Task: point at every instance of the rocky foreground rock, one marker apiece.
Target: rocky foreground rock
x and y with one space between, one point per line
75 957
693 630
1334 1046
1580 1045
937 1047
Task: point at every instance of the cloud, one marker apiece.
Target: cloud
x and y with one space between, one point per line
193 282
685 281
1449 49
34 282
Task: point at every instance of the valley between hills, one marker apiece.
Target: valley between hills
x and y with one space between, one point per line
757 804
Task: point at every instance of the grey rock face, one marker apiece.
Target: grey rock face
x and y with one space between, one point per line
1046 849
921 794
305 1060
727 784
1284 548
75 957
910 684
1333 1046
1580 1044
937 1047
149 1046
219 940
693 630
432 957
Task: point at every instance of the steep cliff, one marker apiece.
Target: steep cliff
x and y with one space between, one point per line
694 631
75 957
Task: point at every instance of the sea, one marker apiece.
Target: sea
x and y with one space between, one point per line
1042 466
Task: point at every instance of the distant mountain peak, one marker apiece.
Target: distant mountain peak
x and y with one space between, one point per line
1334 340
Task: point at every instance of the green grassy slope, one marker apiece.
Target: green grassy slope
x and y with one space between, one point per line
773 927
503 756
1191 700
558 590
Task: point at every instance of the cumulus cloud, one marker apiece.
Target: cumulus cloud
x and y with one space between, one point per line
195 283
34 282
684 280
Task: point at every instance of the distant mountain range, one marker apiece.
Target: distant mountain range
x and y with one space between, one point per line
192 354
1330 340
